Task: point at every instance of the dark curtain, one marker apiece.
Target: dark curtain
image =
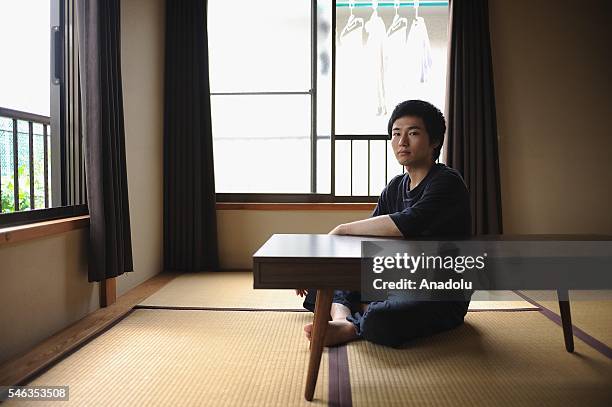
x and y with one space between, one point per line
110 243
472 126
190 223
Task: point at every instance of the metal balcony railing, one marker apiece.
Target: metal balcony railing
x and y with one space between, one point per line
25 151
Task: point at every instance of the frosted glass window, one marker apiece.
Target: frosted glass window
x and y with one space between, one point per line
261 45
261 143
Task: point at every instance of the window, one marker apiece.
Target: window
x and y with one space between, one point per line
261 95
275 75
41 158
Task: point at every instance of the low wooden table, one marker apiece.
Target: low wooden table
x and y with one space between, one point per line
329 262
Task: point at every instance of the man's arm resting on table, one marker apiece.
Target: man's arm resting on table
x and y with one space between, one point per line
376 226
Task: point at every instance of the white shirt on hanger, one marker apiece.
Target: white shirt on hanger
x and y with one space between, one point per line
377 37
420 50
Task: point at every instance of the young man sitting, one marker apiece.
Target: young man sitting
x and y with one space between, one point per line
429 199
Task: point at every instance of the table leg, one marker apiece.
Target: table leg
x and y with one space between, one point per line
317 340
566 319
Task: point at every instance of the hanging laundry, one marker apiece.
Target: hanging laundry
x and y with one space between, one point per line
420 50
374 56
397 64
350 73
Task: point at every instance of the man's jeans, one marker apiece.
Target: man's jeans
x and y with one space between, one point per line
398 319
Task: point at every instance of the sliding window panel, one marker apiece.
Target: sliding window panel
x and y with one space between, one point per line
261 143
27 101
259 46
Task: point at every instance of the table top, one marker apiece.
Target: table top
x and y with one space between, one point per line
324 246
314 246
334 261
309 261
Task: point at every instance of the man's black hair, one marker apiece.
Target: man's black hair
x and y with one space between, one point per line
432 118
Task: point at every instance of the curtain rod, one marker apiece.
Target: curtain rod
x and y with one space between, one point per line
390 4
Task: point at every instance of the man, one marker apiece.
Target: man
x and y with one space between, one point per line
429 199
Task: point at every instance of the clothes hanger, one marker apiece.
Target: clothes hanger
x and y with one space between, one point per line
398 22
353 22
374 9
417 19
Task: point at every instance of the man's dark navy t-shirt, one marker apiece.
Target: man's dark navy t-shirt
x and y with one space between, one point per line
439 206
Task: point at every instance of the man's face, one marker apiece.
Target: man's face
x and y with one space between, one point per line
410 142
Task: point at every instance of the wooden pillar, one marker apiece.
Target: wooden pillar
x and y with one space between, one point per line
108 292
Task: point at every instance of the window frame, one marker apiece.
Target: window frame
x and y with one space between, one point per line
313 196
20 218
59 69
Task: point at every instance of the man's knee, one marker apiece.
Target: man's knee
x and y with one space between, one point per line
391 327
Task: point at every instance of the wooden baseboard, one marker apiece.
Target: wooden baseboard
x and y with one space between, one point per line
22 368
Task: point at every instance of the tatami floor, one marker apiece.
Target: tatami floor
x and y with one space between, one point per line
210 339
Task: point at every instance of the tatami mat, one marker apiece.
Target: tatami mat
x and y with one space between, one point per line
592 316
234 290
501 359
226 289
192 358
244 358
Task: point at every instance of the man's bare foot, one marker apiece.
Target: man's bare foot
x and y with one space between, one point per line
308 330
337 332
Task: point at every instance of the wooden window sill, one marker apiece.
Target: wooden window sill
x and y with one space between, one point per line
30 231
296 206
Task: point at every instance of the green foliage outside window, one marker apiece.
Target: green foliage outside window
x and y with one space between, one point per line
8 184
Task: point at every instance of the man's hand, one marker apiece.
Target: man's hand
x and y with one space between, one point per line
301 292
338 230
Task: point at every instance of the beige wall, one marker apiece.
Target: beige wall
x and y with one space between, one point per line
44 289
551 62
242 232
142 53
44 281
